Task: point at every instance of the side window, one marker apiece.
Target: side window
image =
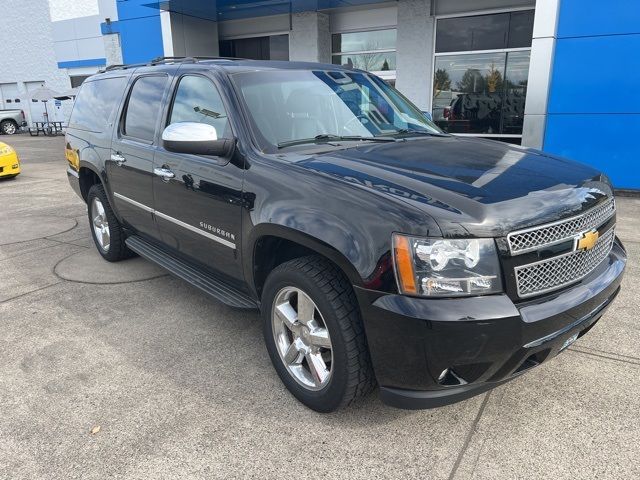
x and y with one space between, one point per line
144 106
198 100
96 102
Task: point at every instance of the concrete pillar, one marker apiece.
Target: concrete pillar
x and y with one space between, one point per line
186 35
414 56
545 27
112 49
310 37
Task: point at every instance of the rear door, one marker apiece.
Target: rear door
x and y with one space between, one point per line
130 165
199 210
88 136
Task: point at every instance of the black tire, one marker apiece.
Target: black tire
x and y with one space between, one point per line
8 127
351 371
117 249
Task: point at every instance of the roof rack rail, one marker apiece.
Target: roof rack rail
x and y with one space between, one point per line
199 57
109 68
164 60
112 67
192 58
161 60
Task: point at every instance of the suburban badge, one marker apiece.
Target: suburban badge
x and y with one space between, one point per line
217 231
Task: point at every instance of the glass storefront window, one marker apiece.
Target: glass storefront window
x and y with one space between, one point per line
485 32
363 41
481 93
373 51
371 62
515 92
274 47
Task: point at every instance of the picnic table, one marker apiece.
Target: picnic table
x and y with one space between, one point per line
47 128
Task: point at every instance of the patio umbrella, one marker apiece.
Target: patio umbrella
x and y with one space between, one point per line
43 94
68 95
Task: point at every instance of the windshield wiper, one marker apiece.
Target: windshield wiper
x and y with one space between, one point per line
411 131
327 137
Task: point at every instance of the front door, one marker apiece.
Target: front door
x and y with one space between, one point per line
130 166
198 210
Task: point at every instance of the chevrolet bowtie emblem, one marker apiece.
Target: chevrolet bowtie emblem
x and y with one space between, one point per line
588 240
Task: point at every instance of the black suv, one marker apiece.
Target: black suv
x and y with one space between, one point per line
378 248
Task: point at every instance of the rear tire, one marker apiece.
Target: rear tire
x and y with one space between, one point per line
314 334
8 127
107 233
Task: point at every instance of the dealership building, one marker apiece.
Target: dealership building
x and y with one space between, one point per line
560 75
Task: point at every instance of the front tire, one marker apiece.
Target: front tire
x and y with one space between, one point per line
314 334
107 233
8 127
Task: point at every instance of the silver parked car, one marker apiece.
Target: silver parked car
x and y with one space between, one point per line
11 121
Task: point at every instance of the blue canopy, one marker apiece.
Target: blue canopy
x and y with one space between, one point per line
237 9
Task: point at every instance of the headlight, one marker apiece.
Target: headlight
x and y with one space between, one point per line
436 267
6 151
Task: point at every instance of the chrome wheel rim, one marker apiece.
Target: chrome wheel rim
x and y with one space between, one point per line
302 338
9 128
100 224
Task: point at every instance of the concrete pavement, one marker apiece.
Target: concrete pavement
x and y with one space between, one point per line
182 387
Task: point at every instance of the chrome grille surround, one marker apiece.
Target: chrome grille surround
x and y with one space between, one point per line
527 240
560 271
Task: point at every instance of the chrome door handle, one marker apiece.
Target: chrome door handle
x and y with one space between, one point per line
164 173
119 159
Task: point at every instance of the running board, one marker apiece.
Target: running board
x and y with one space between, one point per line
205 282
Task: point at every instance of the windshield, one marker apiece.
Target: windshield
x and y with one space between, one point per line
291 107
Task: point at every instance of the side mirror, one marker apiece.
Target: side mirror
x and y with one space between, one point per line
196 139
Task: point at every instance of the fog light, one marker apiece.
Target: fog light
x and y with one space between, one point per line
15 166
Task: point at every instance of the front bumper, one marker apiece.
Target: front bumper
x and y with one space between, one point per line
483 341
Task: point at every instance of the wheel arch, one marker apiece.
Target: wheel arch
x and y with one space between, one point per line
271 245
88 175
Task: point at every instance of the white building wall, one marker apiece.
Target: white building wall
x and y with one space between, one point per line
254 27
26 49
107 9
367 18
67 9
78 38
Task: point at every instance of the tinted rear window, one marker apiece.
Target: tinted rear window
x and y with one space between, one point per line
96 102
143 109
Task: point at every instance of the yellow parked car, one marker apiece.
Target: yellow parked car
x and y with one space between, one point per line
9 161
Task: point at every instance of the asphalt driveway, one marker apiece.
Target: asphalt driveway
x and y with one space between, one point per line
176 385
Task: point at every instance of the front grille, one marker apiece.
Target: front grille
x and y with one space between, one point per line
557 272
553 233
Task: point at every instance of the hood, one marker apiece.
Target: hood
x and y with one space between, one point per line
470 187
